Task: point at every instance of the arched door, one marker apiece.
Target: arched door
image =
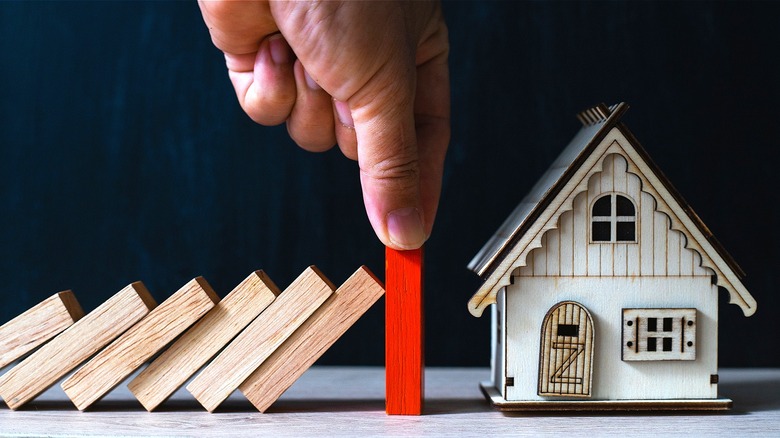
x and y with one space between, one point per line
566 351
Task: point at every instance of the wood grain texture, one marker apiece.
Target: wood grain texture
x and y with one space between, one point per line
404 325
493 396
350 301
660 334
65 352
529 299
566 351
37 325
349 401
128 352
261 338
204 340
659 250
678 236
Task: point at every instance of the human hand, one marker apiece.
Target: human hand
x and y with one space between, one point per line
371 76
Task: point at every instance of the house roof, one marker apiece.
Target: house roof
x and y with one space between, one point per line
597 123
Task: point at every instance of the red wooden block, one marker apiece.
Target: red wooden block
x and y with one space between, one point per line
404 348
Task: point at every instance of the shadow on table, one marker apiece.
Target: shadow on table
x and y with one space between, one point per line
100 406
747 396
432 406
352 405
456 406
752 396
240 405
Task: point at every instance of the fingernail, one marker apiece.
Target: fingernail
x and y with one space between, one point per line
344 113
405 227
280 51
310 82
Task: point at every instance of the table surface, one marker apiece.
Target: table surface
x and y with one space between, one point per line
349 401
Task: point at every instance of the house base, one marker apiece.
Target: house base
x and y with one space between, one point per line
498 402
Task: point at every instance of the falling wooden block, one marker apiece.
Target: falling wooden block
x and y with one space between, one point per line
65 352
37 325
261 338
128 352
312 339
201 342
404 352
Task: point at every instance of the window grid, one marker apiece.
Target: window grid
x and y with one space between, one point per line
620 223
659 334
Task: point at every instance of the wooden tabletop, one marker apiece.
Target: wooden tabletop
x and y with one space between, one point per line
346 401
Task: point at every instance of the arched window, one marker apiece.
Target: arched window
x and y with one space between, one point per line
613 219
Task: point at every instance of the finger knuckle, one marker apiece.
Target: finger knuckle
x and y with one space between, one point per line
399 171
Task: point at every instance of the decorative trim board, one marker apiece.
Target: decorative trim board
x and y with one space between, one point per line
494 397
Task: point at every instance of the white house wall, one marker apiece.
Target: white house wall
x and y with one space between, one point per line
655 271
528 300
498 342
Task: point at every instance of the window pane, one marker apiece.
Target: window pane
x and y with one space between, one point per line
652 325
626 231
600 232
651 344
652 334
603 206
568 330
624 206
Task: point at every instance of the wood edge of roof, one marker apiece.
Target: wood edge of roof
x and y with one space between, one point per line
748 306
614 114
719 248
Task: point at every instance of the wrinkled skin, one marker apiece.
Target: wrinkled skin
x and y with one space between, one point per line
371 77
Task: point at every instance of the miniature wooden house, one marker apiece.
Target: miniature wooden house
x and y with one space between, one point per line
606 285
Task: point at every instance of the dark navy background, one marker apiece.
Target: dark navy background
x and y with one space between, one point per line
125 156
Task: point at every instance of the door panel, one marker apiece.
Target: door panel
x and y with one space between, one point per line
566 351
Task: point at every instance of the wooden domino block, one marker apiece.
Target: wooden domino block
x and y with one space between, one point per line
312 339
204 340
404 347
128 352
37 325
261 338
65 352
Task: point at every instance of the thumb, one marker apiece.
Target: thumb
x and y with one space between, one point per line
389 161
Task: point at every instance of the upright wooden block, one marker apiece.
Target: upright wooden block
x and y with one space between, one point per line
261 338
201 342
128 352
37 325
65 352
312 339
404 348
